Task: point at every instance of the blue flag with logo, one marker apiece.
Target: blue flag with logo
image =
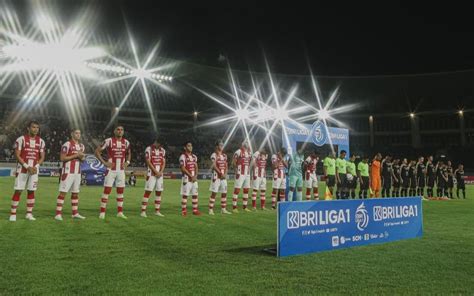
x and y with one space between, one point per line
93 171
314 226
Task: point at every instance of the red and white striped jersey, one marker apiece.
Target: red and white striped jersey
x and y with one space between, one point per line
260 164
117 150
189 161
279 170
311 163
70 148
156 155
30 149
221 163
243 162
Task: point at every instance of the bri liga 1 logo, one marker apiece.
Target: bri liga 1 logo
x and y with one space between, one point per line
319 133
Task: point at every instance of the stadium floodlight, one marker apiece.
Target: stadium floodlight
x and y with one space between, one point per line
412 115
49 56
140 73
461 112
323 114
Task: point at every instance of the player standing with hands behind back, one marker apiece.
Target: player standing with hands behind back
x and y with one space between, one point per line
118 159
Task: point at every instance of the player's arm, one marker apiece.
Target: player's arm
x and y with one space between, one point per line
129 158
163 166
98 154
225 170
394 176
337 174
150 166
214 167
359 175
22 162
64 157
325 169
185 171
197 171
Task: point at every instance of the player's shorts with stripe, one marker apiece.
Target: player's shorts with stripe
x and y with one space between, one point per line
154 183
242 181
296 181
311 181
112 176
218 186
25 181
189 188
259 183
70 183
279 183
331 180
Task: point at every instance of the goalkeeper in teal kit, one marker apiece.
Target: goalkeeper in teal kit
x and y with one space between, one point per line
296 175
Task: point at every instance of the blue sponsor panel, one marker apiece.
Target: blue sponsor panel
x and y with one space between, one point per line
314 226
5 172
317 133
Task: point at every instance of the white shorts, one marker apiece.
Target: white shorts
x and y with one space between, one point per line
189 188
242 182
218 186
26 181
279 183
311 182
114 176
70 182
153 183
260 183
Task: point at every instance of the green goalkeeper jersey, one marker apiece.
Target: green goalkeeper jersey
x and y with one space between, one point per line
296 165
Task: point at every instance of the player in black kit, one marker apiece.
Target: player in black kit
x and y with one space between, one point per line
450 183
386 176
430 176
420 176
396 178
405 169
412 177
460 185
442 181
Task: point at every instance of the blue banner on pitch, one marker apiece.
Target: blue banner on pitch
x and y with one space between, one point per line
314 226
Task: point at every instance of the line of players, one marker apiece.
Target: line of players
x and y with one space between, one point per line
250 172
392 177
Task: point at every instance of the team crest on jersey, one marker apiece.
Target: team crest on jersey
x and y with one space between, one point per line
319 133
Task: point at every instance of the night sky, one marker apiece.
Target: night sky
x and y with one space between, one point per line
358 38
338 39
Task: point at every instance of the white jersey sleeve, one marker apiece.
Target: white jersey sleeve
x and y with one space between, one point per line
148 153
105 144
182 160
65 147
19 143
42 145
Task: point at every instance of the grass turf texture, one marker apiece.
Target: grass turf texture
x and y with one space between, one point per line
216 254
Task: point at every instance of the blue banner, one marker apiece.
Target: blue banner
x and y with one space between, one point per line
314 226
317 133
93 171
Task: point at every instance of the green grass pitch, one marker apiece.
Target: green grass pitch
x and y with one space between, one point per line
216 254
